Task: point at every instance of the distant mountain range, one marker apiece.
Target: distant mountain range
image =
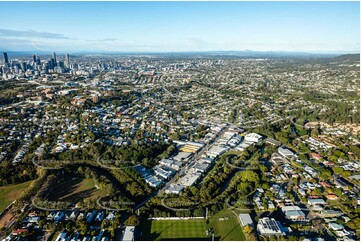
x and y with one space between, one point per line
347 58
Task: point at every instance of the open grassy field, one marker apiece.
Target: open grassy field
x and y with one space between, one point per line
193 229
74 189
11 192
226 226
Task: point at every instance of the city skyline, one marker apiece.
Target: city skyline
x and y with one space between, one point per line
323 27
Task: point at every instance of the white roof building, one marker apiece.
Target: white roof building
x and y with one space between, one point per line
243 145
269 226
293 213
182 156
61 237
216 151
153 181
171 163
245 219
335 226
128 233
285 152
316 201
190 178
163 171
174 189
201 167
253 137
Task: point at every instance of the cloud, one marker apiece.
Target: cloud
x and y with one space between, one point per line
23 44
30 33
14 44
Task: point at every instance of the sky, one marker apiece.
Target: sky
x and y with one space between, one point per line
180 26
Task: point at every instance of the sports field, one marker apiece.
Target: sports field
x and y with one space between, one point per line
193 229
226 226
11 192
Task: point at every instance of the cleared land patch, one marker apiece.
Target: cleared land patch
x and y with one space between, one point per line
74 189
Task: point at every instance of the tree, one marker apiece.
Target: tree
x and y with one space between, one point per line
244 188
214 208
199 212
248 229
325 174
337 170
265 186
132 221
249 176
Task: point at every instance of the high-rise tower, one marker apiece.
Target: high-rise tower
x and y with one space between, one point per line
67 61
6 59
38 60
54 57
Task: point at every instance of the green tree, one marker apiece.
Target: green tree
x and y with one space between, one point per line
133 220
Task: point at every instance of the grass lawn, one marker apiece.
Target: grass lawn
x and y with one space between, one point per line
226 226
11 192
74 189
193 229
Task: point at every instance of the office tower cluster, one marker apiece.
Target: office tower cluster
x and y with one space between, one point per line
34 65
40 67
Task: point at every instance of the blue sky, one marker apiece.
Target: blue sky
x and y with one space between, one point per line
180 26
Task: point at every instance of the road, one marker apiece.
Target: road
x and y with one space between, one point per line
51 209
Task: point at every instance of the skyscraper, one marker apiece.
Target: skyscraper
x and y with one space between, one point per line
24 66
38 60
34 58
52 63
6 59
54 57
67 61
